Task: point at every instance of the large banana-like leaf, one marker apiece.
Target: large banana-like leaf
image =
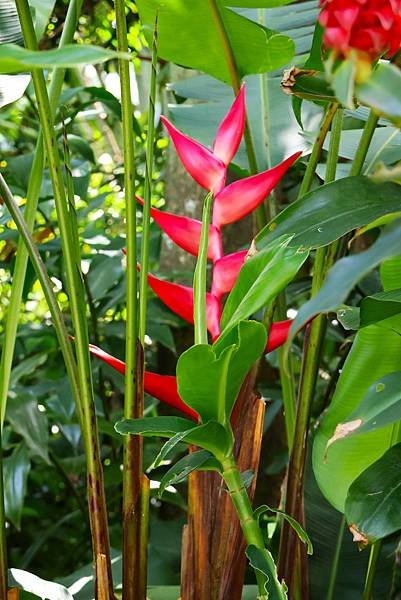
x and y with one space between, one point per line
275 131
195 35
375 352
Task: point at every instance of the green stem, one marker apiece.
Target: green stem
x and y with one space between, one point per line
143 284
65 214
249 524
135 526
364 144
34 185
335 561
371 572
3 541
317 150
314 336
200 317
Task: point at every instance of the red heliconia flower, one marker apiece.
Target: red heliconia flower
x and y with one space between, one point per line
242 197
371 27
208 167
186 232
180 299
162 387
225 272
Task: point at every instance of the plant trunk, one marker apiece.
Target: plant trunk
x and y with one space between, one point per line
213 549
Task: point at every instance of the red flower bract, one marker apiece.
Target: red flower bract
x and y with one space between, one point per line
372 27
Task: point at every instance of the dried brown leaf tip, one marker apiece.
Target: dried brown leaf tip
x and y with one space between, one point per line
290 78
341 431
358 537
252 251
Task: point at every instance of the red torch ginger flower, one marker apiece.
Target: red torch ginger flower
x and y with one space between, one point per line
371 27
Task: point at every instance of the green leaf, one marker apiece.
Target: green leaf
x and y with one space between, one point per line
300 531
378 408
349 317
79 145
12 87
312 87
382 91
27 367
195 461
32 425
209 377
43 10
16 468
274 138
14 59
262 561
261 278
184 31
154 426
375 353
380 306
23 580
373 505
211 436
332 210
346 273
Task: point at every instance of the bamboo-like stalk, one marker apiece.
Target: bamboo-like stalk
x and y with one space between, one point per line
34 184
96 496
10 330
147 198
314 336
313 341
135 484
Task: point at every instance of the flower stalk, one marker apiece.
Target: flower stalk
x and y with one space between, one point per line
200 318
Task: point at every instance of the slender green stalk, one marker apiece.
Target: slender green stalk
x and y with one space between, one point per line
200 320
143 283
135 524
317 150
45 282
34 184
249 524
3 541
96 497
314 336
335 561
364 143
371 571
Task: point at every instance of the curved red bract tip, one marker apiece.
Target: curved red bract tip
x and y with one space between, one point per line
180 299
231 129
161 387
200 162
242 197
186 232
